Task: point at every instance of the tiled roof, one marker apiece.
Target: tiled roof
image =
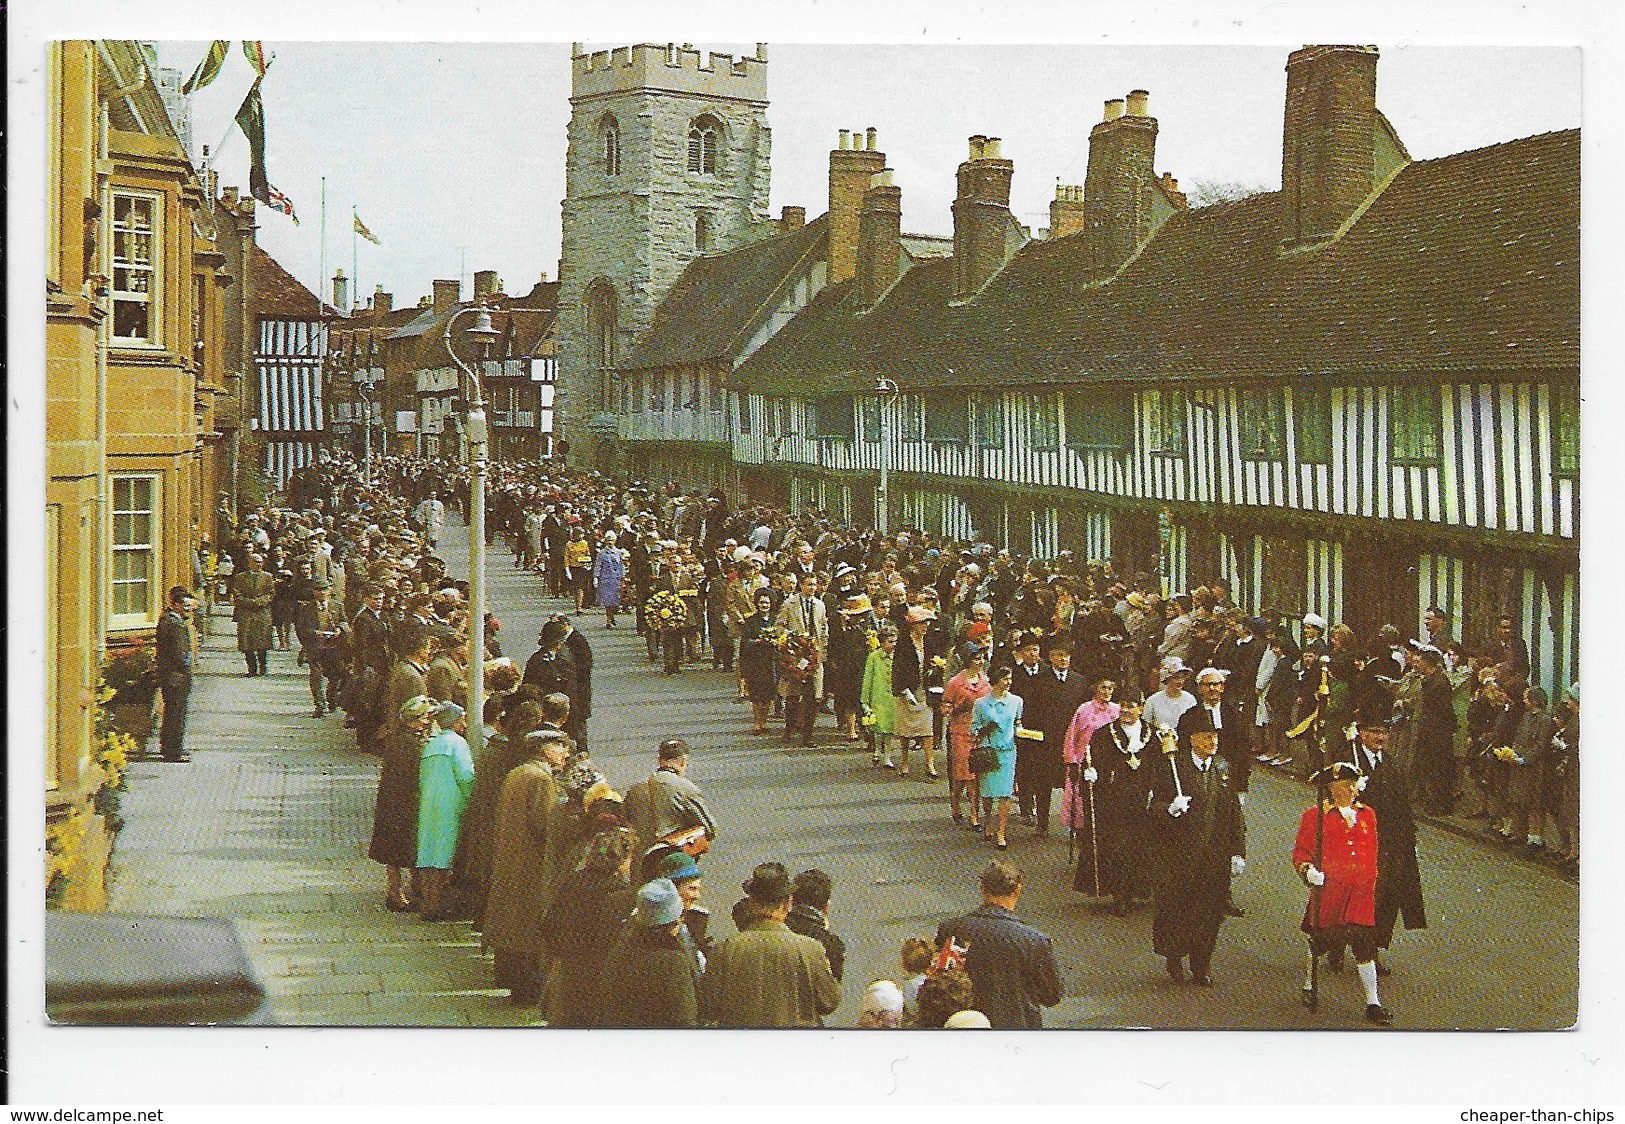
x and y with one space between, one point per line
278 294
718 299
1467 262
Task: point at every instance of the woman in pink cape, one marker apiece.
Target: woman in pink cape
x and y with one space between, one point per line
1091 716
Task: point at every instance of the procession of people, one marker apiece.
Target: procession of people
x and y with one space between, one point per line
1147 712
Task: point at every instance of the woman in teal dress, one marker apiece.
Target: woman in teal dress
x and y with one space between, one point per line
993 724
445 779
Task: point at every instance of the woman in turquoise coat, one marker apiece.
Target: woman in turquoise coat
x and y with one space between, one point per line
445 779
993 724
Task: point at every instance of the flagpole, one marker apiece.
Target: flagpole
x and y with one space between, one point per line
355 272
321 268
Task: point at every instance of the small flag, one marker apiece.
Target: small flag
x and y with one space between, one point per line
361 229
280 202
209 69
251 120
254 52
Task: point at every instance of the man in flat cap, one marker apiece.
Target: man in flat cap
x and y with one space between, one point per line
318 623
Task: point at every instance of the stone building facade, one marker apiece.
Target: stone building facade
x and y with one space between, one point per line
668 159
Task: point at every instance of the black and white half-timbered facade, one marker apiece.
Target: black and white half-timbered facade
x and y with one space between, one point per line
290 351
1358 396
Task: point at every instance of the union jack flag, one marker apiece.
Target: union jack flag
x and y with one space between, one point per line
280 202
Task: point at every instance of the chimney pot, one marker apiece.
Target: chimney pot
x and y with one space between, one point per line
1136 102
977 144
792 218
761 52
992 149
850 169
1114 109
880 225
869 139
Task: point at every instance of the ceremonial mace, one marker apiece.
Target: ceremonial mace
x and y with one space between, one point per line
1094 834
1316 720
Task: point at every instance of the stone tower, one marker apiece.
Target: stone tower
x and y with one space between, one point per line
668 159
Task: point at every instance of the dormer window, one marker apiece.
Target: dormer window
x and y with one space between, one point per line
704 135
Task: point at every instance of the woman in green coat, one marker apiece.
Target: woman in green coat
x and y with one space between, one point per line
879 708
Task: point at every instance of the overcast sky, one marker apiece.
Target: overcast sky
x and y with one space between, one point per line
454 152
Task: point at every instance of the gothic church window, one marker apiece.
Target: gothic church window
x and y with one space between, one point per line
703 136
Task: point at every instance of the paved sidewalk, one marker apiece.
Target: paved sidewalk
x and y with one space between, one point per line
268 826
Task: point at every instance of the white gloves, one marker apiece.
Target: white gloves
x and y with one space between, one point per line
1359 785
1090 776
908 694
1237 866
1179 805
1314 876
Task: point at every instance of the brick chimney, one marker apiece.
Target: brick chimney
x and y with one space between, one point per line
851 167
486 284
341 292
880 233
984 229
1328 145
382 301
1118 187
792 218
446 296
1066 214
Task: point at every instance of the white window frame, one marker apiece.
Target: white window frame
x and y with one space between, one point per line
153 267
152 547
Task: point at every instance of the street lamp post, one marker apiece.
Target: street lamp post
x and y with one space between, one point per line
476 433
883 499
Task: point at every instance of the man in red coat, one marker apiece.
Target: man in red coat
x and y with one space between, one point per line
1336 856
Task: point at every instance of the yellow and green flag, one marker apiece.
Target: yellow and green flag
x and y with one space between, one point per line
209 69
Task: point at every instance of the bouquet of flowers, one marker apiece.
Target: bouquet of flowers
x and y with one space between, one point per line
666 611
871 638
798 656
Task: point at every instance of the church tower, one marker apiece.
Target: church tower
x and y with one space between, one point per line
668 159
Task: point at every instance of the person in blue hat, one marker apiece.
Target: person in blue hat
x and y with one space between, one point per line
649 979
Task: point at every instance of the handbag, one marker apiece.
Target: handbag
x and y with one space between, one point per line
983 759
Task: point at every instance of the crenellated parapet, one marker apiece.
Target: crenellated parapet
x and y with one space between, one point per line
683 69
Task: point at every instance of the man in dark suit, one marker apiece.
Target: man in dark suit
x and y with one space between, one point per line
580 652
370 643
1057 692
1198 846
174 670
1011 964
1240 653
1399 880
